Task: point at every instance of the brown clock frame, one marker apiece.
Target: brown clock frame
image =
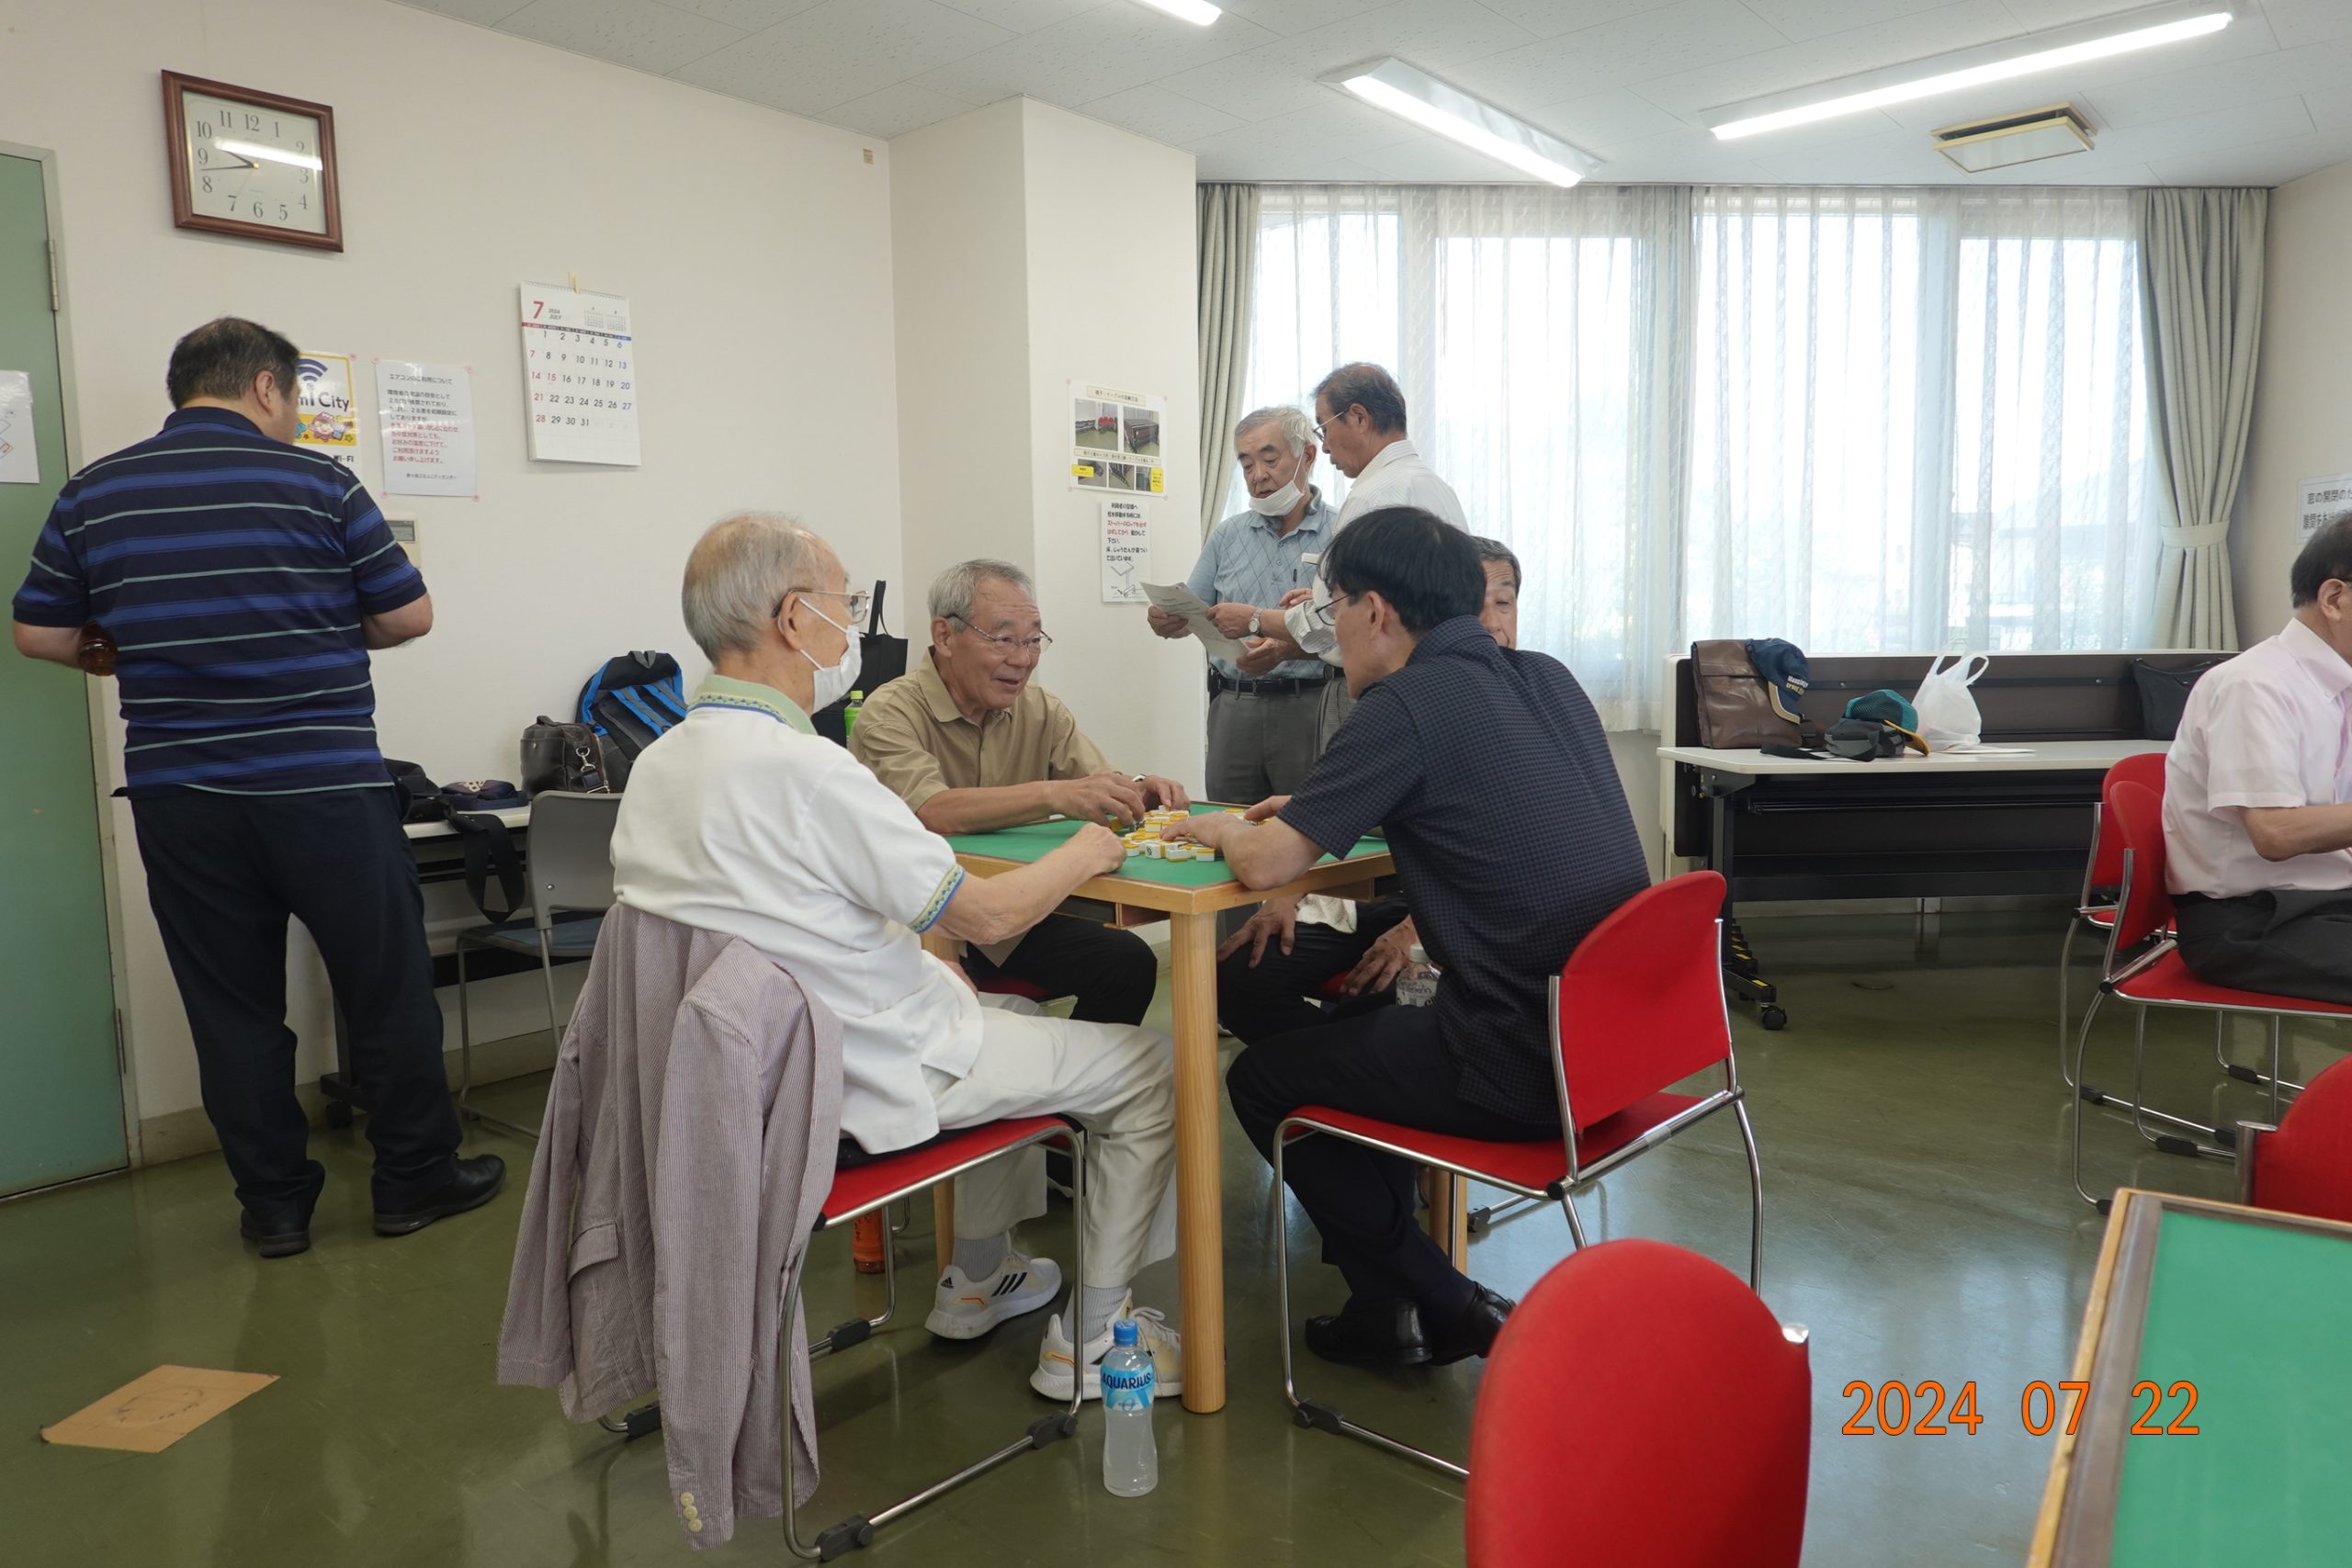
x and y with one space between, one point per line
184 213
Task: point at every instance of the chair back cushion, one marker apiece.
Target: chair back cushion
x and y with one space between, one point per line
2145 768
1641 997
1592 1440
2147 905
2305 1168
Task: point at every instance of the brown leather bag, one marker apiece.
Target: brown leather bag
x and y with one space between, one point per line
1735 703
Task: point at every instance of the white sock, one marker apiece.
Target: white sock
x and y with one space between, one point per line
979 1259
1096 1303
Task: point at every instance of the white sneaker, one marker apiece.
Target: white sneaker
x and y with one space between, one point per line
1056 1357
965 1308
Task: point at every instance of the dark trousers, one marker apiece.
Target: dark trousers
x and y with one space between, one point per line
1276 996
224 872
1110 972
2291 944
1389 1063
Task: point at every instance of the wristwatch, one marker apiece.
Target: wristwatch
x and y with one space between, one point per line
1253 622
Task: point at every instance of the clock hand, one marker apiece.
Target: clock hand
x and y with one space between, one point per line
236 164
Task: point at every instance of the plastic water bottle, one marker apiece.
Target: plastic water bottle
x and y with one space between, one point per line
849 713
1130 1458
1416 986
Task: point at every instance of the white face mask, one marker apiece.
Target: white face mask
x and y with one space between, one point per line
835 681
1279 504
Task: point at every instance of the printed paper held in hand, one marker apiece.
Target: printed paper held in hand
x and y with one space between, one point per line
1178 600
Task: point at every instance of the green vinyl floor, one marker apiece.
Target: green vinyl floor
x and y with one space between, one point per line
1919 1220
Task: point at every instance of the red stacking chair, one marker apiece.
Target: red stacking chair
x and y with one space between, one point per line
2145 968
1006 986
1591 1443
1638 1007
871 1187
2303 1164
2103 871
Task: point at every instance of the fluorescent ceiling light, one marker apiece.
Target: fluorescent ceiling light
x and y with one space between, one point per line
1414 95
268 155
1200 13
1920 80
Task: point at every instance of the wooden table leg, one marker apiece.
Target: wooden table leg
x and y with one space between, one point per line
1448 1197
1200 1213
942 1223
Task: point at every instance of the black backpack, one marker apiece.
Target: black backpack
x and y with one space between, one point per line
630 702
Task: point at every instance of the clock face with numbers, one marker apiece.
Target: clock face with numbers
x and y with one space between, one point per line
250 164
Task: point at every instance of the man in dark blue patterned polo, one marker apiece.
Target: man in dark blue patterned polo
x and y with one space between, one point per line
1487 769
239 583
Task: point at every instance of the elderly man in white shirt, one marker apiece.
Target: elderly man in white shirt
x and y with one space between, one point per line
2258 827
740 819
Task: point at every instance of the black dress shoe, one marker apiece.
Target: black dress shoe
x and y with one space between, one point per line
1473 1333
285 1232
1369 1334
476 1183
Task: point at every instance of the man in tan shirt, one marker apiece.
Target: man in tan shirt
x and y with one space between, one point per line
971 744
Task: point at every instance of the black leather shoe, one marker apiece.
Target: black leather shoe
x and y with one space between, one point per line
1369 1334
476 1183
1473 1333
288 1231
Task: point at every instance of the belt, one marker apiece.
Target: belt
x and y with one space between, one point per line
1267 686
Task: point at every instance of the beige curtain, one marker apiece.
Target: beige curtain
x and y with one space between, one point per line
1228 237
2200 265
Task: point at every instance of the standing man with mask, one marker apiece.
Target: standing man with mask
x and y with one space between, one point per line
243 581
1262 727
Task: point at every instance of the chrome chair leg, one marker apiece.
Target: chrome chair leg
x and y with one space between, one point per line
2141 1112
2066 1017
465 1110
1755 1206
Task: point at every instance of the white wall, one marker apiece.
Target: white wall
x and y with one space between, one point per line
1017 272
755 249
2302 392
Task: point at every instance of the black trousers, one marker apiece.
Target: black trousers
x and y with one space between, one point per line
2291 944
1110 974
1389 1063
1276 996
224 872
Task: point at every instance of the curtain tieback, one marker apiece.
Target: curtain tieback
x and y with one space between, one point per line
2195 536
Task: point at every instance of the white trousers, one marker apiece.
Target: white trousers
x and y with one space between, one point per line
1112 1079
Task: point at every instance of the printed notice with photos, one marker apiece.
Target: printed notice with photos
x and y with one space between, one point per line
1114 440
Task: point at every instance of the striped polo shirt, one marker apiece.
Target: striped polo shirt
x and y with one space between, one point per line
233 572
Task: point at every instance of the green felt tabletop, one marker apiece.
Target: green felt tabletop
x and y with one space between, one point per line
1039 838
2254 1316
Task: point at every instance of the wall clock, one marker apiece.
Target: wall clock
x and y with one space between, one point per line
250 164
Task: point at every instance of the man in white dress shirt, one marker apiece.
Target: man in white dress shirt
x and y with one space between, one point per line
2258 827
741 819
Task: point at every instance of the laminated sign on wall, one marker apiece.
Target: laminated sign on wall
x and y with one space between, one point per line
1114 440
327 412
428 416
1126 551
580 364
19 453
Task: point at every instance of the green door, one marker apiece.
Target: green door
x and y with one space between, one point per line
61 1087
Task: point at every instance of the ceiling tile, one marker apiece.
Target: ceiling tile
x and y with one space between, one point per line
1253 86
485 12
2322 69
2330 111
1431 34
636 33
1550 18
1800 19
1338 129
2173 140
1094 54
1243 166
749 15
1026 15
1601 121
1684 158
1287 16
843 49
2262 163
1730 79
1694 33
1159 114
2298 22
2178 93
896 110
1435 159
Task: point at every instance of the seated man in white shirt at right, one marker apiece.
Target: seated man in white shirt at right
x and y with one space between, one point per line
740 819
2257 831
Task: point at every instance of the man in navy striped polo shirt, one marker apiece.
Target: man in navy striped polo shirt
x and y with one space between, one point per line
242 581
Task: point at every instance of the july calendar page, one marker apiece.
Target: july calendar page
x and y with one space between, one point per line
580 362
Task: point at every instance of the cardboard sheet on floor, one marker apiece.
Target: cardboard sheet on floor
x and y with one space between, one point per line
150 1414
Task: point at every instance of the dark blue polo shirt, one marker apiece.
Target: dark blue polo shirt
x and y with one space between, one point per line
1490 771
232 571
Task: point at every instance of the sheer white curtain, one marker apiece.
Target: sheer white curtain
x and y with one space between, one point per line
1531 334
1863 420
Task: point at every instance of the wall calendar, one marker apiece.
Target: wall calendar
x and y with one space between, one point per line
580 361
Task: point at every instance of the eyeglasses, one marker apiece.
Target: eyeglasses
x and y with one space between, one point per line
1327 613
1037 644
860 601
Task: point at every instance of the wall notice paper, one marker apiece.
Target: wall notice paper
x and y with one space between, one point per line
1114 440
1178 600
328 413
580 362
425 417
19 452
1126 550
150 1414
2321 500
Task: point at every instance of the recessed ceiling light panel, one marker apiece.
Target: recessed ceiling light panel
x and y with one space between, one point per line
1411 94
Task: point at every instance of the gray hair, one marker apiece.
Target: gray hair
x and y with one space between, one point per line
1365 384
1496 550
740 570
1296 428
953 590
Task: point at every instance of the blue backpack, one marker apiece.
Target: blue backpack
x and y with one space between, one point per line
630 702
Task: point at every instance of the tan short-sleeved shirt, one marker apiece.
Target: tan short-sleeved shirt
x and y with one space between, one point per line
910 734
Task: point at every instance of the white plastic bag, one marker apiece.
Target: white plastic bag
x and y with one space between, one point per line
1948 717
